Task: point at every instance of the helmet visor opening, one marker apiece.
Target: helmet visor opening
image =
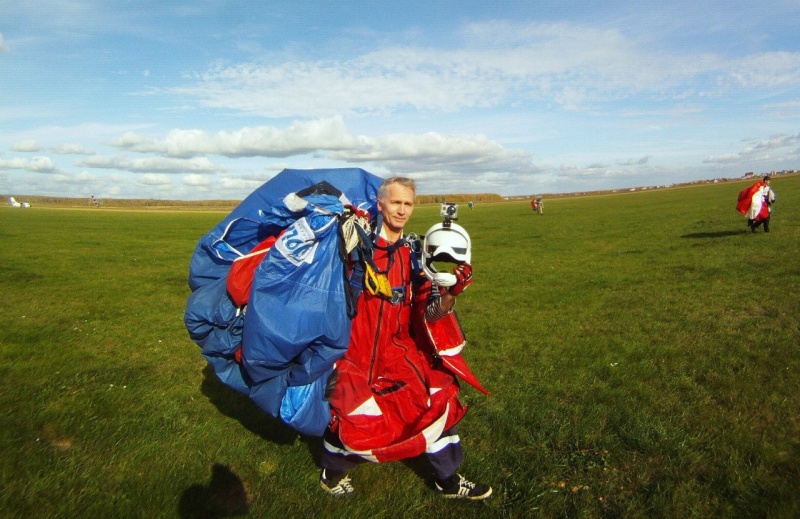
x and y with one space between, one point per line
447 253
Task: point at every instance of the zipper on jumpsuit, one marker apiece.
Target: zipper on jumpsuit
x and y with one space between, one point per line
376 341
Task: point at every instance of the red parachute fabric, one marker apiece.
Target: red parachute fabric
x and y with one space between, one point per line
240 277
746 197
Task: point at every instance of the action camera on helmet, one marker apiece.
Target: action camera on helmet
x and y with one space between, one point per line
449 211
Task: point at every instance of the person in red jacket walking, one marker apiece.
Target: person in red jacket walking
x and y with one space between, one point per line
389 399
755 202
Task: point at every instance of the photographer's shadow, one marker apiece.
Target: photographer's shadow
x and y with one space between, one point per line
224 496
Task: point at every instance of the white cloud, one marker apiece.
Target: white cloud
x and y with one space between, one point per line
757 150
196 180
71 149
154 179
501 63
265 141
26 145
400 153
635 162
3 46
34 165
771 69
407 153
239 184
773 142
730 158
151 164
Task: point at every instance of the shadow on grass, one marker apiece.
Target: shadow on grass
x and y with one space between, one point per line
239 407
423 470
718 234
224 496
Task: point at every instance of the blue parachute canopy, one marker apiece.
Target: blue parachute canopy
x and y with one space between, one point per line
359 186
281 348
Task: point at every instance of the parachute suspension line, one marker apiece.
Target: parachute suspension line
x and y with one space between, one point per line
350 231
353 229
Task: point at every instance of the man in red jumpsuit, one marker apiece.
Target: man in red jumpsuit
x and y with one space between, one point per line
390 401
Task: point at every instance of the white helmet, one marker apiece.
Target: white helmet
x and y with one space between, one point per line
445 242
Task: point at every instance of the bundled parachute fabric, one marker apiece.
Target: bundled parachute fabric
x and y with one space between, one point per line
280 348
215 323
750 202
243 228
745 198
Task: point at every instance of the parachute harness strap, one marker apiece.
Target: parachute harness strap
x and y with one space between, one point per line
375 280
414 244
353 226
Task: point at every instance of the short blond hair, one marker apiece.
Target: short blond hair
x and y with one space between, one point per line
403 181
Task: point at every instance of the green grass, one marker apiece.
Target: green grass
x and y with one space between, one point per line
641 351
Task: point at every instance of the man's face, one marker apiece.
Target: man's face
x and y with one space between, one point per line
396 208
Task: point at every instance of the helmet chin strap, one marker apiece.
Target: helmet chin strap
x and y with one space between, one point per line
442 279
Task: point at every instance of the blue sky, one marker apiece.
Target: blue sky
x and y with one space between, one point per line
208 100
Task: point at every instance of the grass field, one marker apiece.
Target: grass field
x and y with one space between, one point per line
641 350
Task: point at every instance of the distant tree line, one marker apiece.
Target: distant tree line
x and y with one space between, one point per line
123 203
459 198
63 201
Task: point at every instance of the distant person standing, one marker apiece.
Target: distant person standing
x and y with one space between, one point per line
755 202
540 205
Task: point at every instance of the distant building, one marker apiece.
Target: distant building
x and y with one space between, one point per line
749 174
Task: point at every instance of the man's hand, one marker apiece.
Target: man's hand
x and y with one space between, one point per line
463 274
